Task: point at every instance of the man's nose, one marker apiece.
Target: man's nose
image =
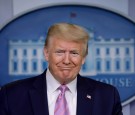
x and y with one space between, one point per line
66 58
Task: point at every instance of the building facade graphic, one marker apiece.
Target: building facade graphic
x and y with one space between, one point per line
105 56
26 57
110 56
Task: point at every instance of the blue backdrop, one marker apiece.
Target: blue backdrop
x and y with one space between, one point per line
98 21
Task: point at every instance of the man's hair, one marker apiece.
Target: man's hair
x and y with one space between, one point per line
68 32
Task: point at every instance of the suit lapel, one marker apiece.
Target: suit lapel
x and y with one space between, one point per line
85 97
38 96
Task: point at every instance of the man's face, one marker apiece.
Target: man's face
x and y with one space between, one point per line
65 59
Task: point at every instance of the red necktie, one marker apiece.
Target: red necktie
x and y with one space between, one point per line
61 106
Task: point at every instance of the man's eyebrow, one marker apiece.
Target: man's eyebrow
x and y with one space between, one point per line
74 50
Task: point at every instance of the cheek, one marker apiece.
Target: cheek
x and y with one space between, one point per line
55 59
78 62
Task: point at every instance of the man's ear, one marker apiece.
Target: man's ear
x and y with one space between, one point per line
83 60
46 54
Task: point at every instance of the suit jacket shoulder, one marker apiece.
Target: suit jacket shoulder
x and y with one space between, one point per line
97 98
24 97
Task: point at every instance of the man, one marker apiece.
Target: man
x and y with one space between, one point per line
60 90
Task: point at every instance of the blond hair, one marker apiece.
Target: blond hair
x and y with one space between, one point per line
69 32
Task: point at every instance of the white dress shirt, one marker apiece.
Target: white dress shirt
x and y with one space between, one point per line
52 93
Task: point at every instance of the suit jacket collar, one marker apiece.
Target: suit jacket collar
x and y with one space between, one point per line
38 95
85 96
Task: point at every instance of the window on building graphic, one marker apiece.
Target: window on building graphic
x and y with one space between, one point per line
127 51
24 52
15 52
108 65
117 65
97 51
98 64
34 66
107 51
117 51
34 52
15 65
25 66
127 65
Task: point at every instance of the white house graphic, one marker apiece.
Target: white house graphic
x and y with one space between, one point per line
110 56
26 57
105 56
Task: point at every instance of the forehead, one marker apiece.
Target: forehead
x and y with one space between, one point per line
56 43
64 42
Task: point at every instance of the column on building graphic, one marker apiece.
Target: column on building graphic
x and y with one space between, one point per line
26 57
88 68
111 56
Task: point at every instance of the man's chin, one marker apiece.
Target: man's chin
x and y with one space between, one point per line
65 79
66 74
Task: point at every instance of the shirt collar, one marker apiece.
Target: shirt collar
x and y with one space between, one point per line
53 84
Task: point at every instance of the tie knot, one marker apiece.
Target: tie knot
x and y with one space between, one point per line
63 88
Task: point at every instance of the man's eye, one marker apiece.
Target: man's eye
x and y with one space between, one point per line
74 54
59 52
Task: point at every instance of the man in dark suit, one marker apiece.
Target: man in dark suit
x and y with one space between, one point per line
65 49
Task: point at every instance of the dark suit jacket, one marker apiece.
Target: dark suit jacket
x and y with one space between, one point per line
29 97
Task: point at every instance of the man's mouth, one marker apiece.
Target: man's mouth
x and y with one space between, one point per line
66 68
